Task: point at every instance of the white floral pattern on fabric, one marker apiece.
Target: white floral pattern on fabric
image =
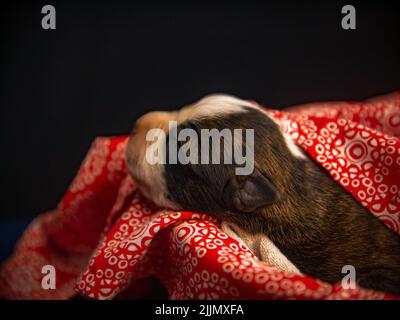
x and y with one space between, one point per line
105 236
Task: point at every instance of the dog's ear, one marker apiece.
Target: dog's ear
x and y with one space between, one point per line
247 193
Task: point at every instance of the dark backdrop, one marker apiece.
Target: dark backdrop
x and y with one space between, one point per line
105 64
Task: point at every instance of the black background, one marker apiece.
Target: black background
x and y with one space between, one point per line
107 63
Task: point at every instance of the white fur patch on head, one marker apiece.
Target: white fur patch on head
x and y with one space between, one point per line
219 104
151 176
293 148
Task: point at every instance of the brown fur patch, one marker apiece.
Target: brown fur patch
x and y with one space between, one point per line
316 223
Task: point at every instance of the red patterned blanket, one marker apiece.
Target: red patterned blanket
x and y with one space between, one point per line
105 238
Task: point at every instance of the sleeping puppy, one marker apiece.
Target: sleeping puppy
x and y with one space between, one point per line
315 222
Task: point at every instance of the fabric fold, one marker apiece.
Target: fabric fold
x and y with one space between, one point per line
105 237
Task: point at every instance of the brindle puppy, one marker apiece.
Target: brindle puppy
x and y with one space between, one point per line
315 222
